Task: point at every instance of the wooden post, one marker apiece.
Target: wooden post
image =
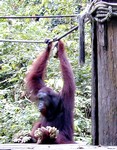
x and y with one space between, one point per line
106 88
81 41
95 139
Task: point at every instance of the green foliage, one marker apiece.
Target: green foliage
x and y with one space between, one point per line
16 111
12 116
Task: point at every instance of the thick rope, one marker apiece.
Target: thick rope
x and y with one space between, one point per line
101 11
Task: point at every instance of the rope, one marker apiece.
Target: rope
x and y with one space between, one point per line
101 11
33 41
45 41
21 41
37 17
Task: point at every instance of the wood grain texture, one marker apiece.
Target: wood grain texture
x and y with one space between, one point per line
107 85
94 99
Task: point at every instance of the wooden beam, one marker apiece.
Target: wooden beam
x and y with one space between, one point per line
52 147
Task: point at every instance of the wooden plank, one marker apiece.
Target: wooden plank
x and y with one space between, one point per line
53 147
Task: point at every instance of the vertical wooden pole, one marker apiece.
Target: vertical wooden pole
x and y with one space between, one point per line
104 83
107 85
81 41
95 138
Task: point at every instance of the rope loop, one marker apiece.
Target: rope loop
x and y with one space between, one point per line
103 14
101 11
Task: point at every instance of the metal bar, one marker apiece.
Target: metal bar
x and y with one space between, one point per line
21 41
71 30
62 36
24 17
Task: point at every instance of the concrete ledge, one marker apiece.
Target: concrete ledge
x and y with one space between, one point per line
54 147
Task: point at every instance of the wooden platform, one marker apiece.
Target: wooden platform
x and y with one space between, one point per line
53 147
